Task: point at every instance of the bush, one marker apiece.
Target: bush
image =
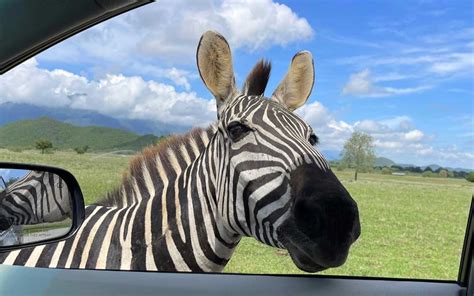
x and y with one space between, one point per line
443 173
386 171
15 149
428 174
81 150
470 177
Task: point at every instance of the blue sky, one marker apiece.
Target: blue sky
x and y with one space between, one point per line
8 174
398 70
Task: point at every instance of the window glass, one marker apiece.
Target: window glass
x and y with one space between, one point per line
391 111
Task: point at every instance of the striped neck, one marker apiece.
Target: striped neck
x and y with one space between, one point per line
174 184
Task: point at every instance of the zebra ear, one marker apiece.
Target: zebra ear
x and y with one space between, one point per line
294 90
214 61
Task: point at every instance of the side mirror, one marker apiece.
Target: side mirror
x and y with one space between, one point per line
38 205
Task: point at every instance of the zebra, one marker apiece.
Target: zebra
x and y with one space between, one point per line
37 197
185 203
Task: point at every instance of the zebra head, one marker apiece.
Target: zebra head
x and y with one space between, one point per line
271 182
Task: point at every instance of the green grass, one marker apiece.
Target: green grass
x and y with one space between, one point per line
412 227
35 228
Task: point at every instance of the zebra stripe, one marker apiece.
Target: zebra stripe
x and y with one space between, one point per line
38 197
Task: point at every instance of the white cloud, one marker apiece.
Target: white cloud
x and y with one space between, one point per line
392 132
362 84
414 135
170 30
456 62
179 77
416 56
115 95
259 24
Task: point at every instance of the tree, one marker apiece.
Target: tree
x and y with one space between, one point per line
359 153
43 145
386 171
11 181
470 177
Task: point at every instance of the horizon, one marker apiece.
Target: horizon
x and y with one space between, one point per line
401 73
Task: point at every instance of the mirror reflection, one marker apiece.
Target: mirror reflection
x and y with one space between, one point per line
34 206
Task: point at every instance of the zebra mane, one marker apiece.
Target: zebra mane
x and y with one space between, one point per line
148 158
257 79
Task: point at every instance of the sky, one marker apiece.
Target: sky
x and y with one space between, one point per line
401 71
8 174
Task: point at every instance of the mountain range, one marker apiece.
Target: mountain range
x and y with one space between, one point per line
11 112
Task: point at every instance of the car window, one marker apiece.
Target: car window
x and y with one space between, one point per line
193 161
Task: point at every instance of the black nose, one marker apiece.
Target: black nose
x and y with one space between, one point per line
332 220
323 209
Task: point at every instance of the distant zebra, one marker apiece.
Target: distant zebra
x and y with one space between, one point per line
38 197
185 204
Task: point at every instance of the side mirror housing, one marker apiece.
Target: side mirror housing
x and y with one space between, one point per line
38 205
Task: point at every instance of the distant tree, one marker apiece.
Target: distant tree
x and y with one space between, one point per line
428 169
443 173
81 150
460 174
386 171
396 168
359 153
450 174
428 173
11 180
43 145
470 177
161 138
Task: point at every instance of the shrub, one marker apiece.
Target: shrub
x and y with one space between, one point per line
470 177
386 171
428 174
443 173
15 149
81 150
341 167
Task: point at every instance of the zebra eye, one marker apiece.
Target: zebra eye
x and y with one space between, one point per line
313 139
237 130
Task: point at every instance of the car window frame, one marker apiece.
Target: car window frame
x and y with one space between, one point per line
466 273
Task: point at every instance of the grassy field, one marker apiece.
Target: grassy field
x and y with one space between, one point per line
412 227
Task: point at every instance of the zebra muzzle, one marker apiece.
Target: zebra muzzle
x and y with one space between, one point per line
324 220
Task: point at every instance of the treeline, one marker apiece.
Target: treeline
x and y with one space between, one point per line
426 172
411 170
